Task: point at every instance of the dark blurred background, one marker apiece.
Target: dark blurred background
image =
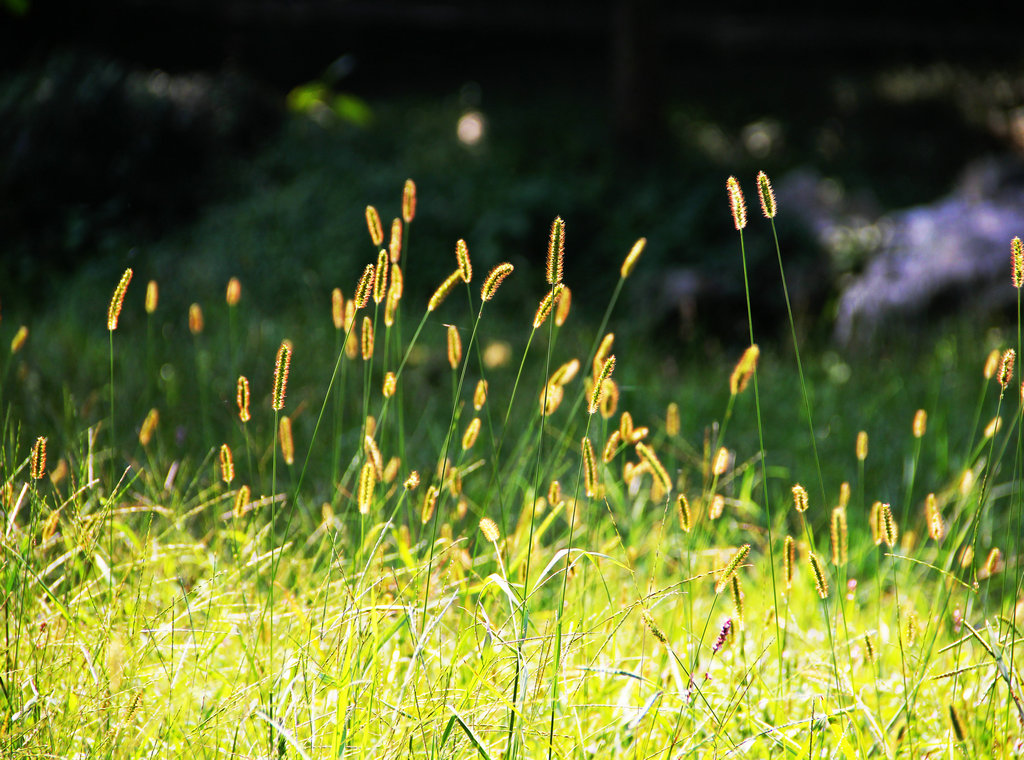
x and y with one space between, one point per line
246 137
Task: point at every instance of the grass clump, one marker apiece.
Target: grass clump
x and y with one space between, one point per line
373 545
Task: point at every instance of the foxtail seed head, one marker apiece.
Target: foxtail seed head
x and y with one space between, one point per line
890 532
364 288
149 427
373 455
565 374
920 424
993 427
554 493
494 279
242 397
721 465
609 398
993 563
490 530
626 426
480 395
1017 256
397 286
936 528
373 225
366 339
544 308
227 464
367 484
287 442
380 276
736 592
241 501
195 319
736 203
957 724
717 507
589 468
563 305
839 536
875 522
844 494
281 365
611 446
672 419
234 292
556 251
550 398
117 300
462 259
19 339
37 462
429 504
683 510
631 258
820 579
152 296
409 201
766 194
646 453
443 290
413 481
800 500
390 306
744 370
599 387
395 243
472 431
337 309
862 446
789 561
454 347
730 569
390 384
991 364
603 349
1006 368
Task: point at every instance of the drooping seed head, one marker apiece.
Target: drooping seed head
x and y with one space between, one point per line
374 226
646 453
1006 368
364 288
599 387
195 319
683 511
603 350
563 305
1017 257
242 397
152 296
454 347
820 579
472 431
234 292
737 205
611 446
281 366
117 300
37 461
730 568
287 442
556 251
443 290
337 309
227 464
462 259
409 201
380 276
631 258
862 446
367 484
490 530
590 474
395 242
920 425
890 532
744 370
766 194
544 308
480 395
800 500
149 427
366 339
672 425
499 273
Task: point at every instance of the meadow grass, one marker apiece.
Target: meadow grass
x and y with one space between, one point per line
371 545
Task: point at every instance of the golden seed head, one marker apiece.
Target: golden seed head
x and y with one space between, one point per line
656 632
936 527
373 455
454 347
366 339
350 315
544 308
443 290
281 366
744 370
391 470
429 504
730 568
717 506
19 339
117 300
611 446
367 484
993 563
413 481
494 279
609 398
862 446
390 308
721 465
920 424
683 510
152 296
149 427
590 475
820 579
875 521
227 464
550 398
242 397
337 309
37 462
409 201
380 276
966 482
844 494
603 349
736 592
566 373
490 530
365 286
195 319
1017 256
1006 368
599 385
554 493
472 431
672 426
390 383
480 395
839 537
556 251
991 364
766 194
890 532
631 258
287 442
736 203
789 561
800 500
241 501
626 426
462 259
869 647
373 225
234 292
646 453
993 427
395 242
563 305
370 426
